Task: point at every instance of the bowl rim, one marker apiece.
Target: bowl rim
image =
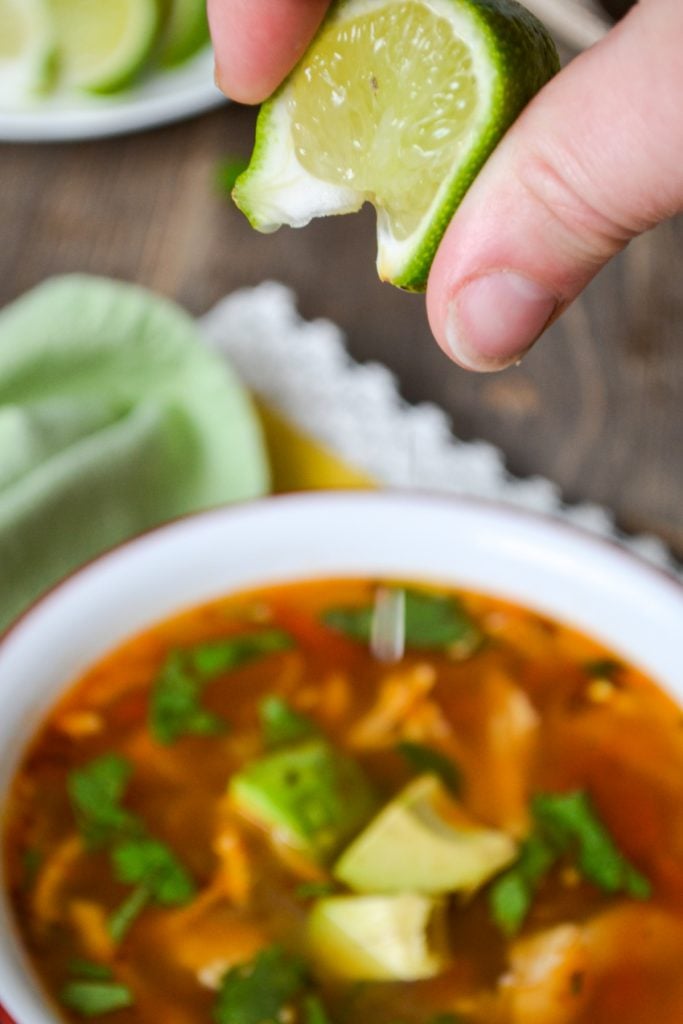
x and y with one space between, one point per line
419 495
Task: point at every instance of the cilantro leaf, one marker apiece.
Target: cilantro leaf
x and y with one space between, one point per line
137 859
281 724
223 655
437 621
423 758
176 708
92 998
433 622
95 792
175 705
565 824
571 820
511 895
90 970
123 917
262 990
356 623
153 866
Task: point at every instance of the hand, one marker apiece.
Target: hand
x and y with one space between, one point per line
594 160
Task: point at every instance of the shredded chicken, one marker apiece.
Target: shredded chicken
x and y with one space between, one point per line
48 893
500 752
331 698
400 696
550 980
618 966
89 920
80 724
234 877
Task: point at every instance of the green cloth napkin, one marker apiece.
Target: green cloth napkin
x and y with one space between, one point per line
113 418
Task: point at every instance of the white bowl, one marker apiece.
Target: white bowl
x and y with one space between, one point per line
553 568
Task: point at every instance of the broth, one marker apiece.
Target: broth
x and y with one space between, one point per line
240 816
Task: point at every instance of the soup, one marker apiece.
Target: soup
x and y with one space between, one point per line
242 817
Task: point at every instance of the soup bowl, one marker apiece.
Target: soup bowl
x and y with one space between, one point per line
550 567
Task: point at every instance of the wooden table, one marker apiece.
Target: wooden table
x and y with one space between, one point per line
596 407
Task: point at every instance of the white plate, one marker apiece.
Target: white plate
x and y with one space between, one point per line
161 98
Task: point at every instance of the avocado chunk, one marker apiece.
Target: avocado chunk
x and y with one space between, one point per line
423 841
379 938
310 796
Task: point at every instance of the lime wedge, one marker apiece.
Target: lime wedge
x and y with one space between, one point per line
26 49
186 31
397 103
103 46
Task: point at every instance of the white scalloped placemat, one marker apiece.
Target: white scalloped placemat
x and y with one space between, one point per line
303 370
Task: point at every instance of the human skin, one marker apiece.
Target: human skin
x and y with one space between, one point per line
594 160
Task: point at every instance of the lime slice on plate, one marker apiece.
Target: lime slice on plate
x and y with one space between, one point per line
26 49
397 103
103 46
185 32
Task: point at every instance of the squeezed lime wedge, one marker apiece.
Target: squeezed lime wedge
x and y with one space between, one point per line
396 103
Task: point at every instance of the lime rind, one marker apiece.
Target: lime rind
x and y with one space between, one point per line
27 73
401 261
270 192
505 29
512 57
81 67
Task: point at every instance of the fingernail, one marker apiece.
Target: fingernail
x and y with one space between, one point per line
495 318
217 78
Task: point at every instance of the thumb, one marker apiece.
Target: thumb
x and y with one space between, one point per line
594 160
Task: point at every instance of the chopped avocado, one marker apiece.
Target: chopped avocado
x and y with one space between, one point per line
311 796
423 841
379 938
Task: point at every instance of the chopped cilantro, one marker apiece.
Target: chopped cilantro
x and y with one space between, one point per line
93 998
565 825
175 705
355 622
123 917
511 895
571 821
80 968
266 990
281 725
433 622
176 708
157 875
153 866
224 655
95 792
423 758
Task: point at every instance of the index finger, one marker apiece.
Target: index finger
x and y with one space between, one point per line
258 42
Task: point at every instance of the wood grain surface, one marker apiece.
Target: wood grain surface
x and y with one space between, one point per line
596 406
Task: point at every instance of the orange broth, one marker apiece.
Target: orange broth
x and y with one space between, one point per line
535 708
